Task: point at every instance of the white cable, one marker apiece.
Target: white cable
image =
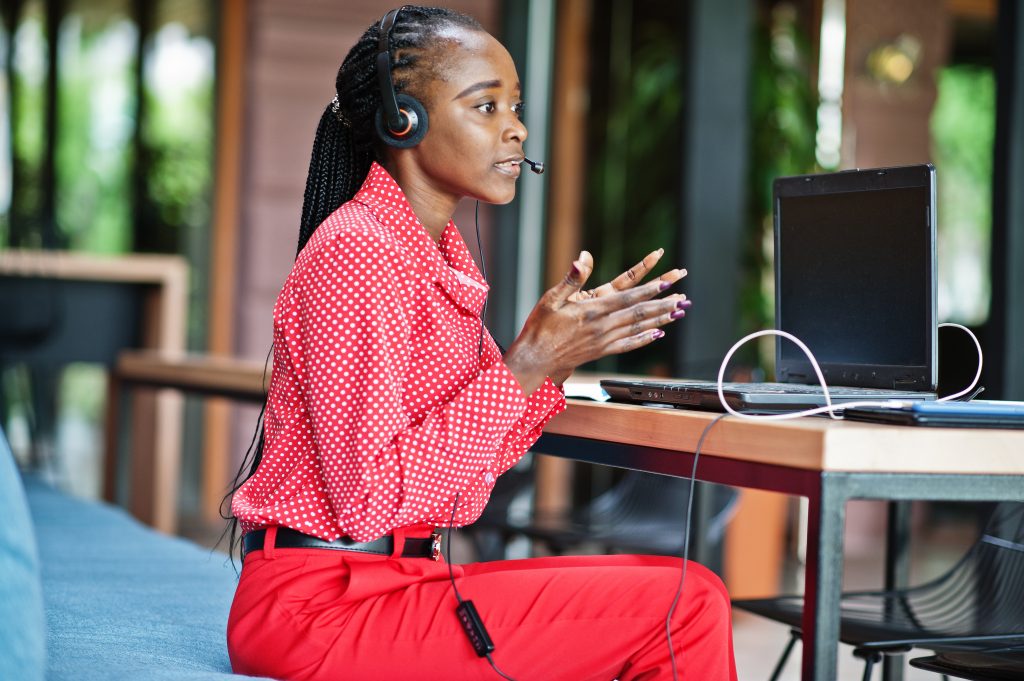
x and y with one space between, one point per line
829 407
981 360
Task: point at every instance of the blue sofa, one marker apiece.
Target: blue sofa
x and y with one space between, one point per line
87 592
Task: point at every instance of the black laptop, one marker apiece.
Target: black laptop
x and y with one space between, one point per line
855 280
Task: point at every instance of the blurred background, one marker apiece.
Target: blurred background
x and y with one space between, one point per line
184 127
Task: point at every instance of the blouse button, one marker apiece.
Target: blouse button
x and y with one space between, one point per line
489 477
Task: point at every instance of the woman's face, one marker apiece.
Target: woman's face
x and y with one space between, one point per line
474 145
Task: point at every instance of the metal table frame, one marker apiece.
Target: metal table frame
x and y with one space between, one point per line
827 494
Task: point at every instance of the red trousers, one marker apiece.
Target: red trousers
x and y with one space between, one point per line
323 614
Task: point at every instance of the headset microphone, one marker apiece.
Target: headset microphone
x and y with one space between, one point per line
535 166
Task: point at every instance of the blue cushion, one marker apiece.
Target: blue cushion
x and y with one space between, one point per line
22 634
126 602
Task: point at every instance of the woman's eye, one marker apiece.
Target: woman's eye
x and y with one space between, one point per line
487 107
518 109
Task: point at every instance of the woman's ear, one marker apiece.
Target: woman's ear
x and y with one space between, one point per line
412 121
401 119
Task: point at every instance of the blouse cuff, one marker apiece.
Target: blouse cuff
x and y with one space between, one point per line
542 404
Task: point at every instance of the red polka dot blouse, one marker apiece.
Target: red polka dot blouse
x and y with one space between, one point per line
380 408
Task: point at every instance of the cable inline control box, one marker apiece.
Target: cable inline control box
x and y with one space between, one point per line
474 628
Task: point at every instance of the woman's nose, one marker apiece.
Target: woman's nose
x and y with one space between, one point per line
516 130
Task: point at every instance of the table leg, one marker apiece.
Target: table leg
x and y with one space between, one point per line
823 578
897 570
700 550
118 415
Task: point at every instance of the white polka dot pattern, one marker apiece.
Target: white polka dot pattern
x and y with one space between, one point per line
380 408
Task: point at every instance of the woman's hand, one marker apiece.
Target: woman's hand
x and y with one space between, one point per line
569 327
630 278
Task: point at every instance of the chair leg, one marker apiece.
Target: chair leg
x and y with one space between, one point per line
870 657
868 665
794 636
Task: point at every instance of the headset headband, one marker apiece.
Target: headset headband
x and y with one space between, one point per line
392 116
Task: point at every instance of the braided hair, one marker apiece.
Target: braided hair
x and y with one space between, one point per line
346 139
346 144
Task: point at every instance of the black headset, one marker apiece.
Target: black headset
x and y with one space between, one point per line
401 119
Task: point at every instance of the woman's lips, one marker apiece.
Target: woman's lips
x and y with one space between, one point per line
510 167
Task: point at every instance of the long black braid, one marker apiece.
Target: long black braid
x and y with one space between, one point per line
346 144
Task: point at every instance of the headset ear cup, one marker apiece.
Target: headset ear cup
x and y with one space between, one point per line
416 131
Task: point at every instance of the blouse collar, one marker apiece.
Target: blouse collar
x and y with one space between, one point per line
444 262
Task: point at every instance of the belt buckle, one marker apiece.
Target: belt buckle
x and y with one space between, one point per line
435 546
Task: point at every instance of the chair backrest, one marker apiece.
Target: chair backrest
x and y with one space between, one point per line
999 569
641 498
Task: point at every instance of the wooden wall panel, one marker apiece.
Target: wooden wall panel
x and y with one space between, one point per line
293 53
295 49
887 124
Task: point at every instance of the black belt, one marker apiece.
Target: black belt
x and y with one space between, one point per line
287 538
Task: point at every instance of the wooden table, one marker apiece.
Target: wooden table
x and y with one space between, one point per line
96 307
211 375
828 462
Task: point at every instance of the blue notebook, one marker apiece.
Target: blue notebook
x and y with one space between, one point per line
976 414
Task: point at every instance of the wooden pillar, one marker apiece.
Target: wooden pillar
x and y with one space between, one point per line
157 415
48 234
11 13
216 462
565 209
755 545
569 113
714 172
1006 377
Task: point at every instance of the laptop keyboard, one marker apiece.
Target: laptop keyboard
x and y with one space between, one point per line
801 389
782 388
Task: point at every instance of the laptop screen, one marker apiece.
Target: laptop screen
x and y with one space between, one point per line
855 264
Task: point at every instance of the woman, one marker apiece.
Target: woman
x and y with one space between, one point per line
391 411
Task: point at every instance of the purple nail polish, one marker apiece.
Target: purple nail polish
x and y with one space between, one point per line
678 314
664 285
657 333
683 304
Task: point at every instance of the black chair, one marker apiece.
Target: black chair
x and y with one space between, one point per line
995 664
979 601
641 513
495 528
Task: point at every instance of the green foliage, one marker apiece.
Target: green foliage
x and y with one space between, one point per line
963 120
95 117
95 162
963 137
178 136
27 92
633 188
638 168
633 169
783 124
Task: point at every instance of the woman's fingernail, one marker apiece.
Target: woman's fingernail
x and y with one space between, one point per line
678 314
575 270
683 273
683 304
663 285
657 333
661 252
